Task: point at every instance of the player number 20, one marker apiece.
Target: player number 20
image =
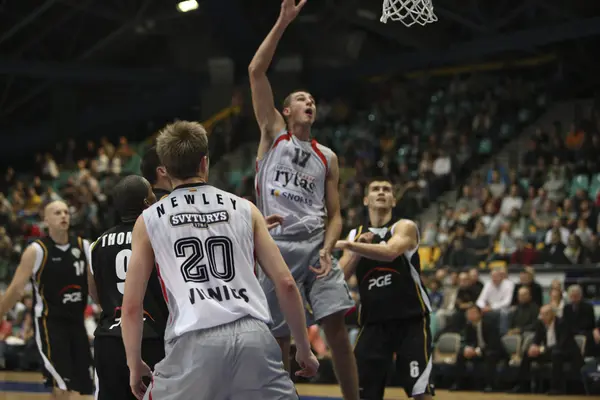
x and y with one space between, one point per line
414 369
121 263
194 270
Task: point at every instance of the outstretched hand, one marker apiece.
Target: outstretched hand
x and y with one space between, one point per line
273 221
290 10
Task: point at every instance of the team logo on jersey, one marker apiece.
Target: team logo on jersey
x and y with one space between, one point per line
291 196
288 178
199 220
71 294
76 252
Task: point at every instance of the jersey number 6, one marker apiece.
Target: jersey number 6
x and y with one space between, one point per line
193 270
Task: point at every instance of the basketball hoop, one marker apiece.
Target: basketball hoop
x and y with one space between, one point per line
409 12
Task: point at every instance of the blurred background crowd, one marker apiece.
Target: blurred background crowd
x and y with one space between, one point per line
498 178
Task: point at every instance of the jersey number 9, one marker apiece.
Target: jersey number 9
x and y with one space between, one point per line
193 270
121 262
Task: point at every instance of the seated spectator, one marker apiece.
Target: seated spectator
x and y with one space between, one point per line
511 202
553 343
558 226
436 296
474 277
507 243
554 253
482 346
450 292
579 315
527 279
526 313
596 337
465 298
575 251
557 301
585 234
496 187
524 255
496 297
478 244
555 186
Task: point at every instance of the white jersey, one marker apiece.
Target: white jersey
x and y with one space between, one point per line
203 243
290 181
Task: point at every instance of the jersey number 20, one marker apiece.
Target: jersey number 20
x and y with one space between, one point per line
193 270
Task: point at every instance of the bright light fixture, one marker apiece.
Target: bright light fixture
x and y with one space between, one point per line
187 5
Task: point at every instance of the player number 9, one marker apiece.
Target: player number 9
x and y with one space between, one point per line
121 262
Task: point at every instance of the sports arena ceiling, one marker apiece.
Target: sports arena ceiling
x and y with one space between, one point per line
72 62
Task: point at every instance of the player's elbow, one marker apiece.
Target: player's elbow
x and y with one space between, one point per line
130 309
286 284
254 70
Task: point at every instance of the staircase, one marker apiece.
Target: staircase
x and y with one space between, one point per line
513 151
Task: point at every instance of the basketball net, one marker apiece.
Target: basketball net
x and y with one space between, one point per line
409 12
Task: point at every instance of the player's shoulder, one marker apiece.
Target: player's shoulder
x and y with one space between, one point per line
327 152
404 225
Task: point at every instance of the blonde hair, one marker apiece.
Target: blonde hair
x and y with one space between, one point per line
180 147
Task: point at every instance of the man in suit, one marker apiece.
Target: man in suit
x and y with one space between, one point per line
483 346
579 315
527 279
525 316
553 343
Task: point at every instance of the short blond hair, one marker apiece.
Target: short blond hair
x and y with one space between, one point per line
180 147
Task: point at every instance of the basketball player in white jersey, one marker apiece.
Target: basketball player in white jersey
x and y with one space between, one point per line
298 178
203 242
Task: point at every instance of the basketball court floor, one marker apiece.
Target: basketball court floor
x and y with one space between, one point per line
28 386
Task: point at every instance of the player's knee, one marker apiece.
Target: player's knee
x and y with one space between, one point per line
334 327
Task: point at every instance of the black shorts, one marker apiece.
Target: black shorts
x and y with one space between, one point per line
112 374
410 340
66 355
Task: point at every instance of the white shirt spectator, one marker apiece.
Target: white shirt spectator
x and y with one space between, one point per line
496 297
116 165
103 162
50 168
442 166
509 203
564 236
550 335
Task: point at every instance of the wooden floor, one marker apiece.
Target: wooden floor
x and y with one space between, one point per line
28 386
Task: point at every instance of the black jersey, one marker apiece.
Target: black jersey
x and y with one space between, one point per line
160 193
59 279
389 290
110 255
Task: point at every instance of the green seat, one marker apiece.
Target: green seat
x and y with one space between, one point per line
579 182
594 187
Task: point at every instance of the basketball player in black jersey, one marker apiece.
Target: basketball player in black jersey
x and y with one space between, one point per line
156 174
56 267
395 307
110 255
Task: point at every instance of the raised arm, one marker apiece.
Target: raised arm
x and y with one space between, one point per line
17 286
270 121
403 239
